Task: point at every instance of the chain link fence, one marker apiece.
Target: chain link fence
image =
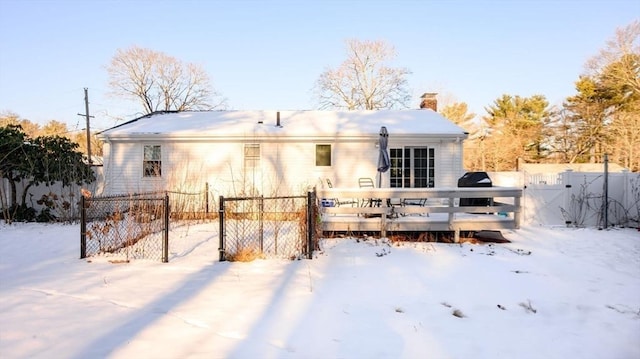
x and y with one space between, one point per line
273 227
125 227
191 205
136 226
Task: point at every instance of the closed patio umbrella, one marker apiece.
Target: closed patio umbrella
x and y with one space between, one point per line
383 156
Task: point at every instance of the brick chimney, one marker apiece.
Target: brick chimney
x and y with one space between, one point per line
429 101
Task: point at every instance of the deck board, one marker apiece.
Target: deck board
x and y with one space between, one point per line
416 223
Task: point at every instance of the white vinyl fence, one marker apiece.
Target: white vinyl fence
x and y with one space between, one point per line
63 201
568 198
576 198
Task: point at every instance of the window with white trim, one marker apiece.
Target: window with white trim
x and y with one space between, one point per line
323 155
152 161
252 155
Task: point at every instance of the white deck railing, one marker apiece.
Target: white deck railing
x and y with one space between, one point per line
393 202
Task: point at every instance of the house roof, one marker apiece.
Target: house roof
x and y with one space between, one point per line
225 124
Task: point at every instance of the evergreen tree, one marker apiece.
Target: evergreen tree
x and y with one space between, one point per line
42 160
516 130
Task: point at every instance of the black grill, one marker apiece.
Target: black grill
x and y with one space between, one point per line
475 179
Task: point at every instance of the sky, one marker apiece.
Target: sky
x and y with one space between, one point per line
551 293
267 55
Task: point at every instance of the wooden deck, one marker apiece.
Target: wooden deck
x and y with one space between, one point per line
419 209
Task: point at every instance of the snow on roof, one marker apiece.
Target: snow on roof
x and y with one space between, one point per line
292 123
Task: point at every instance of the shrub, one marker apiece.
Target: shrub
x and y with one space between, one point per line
45 216
19 213
245 255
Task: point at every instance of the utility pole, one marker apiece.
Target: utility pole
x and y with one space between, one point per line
86 109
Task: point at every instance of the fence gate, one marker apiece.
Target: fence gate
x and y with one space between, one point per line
281 227
125 227
544 203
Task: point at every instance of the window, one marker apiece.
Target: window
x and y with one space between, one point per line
152 162
412 167
323 155
252 155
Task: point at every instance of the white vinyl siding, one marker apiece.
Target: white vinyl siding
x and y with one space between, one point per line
449 164
286 166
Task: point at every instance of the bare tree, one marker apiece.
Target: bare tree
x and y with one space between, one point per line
364 81
458 112
617 72
623 49
55 128
625 129
160 82
563 137
9 118
604 112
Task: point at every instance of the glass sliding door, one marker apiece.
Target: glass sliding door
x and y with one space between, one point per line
412 167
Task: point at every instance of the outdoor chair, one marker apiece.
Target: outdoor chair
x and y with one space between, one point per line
395 202
366 182
337 201
391 202
415 202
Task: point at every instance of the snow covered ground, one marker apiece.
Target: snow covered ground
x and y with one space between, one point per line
551 293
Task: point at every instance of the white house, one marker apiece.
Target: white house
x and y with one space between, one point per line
279 152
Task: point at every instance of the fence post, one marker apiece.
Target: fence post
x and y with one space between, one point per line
221 228
83 228
383 219
261 224
516 215
450 218
567 180
206 200
165 242
626 196
606 191
311 198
